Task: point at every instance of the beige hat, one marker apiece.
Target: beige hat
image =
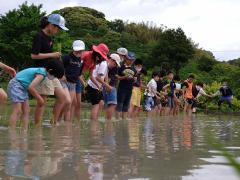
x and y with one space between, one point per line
116 58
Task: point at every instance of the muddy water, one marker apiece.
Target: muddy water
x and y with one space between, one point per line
144 148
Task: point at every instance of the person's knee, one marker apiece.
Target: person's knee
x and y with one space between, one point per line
3 96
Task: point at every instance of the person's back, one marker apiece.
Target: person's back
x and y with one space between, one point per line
26 76
225 91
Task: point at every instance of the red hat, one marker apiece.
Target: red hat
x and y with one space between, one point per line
102 49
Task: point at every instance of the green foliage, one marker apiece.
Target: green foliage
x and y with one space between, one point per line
17 27
174 48
206 64
160 48
211 104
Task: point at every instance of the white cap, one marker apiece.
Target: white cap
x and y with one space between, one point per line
116 58
78 45
122 51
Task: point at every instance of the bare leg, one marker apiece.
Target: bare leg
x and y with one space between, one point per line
110 111
39 111
25 115
14 115
94 112
67 105
59 103
3 97
78 106
130 110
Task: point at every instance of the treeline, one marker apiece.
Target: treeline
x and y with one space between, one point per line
160 48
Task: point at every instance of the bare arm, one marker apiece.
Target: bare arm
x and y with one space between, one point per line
103 82
33 91
46 55
8 69
82 80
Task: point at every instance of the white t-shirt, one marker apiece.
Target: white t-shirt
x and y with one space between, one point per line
102 69
178 86
201 91
151 88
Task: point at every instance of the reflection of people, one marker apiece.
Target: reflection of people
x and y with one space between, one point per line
187 132
16 162
149 136
109 134
226 95
133 131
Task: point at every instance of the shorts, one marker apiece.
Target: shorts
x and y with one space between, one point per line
136 96
17 92
189 101
148 103
194 104
226 98
94 95
171 103
123 100
110 98
79 87
70 86
48 86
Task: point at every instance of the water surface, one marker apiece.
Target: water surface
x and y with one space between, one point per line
171 148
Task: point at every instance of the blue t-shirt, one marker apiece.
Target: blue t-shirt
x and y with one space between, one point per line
26 76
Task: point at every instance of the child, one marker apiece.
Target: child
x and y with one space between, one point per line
226 95
197 92
188 84
96 80
171 93
73 66
110 97
12 73
42 53
150 93
135 102
125 76
178 94
122 52
160 103
27 80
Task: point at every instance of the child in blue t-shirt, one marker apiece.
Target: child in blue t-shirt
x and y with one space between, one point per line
125 76
27 80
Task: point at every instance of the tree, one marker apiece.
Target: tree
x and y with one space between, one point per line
174 48
17 28
206 64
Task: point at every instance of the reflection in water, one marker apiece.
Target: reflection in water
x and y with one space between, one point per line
166 148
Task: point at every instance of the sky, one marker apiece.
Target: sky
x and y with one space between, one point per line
213 24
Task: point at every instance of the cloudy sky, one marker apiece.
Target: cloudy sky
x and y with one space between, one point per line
213 24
